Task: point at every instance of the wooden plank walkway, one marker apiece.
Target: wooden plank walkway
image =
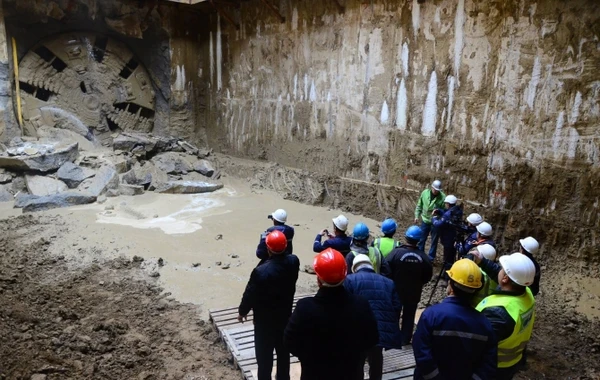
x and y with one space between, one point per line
239 338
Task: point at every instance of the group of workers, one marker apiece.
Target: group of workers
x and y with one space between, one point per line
369 293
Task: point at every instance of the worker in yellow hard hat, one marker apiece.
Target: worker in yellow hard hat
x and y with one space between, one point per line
453 340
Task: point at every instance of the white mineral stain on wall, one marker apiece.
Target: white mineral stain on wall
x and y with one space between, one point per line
575 110
459 23
451 83
313 92
405 59
401 106
219 54
430 110
533 83
295 19
416 8
385 113
211 56
557 137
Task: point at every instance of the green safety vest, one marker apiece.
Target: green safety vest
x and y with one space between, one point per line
486 290
385 245
522 310
374 256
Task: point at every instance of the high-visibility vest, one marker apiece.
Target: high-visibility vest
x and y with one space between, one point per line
486 290
374 256
385 245
522 310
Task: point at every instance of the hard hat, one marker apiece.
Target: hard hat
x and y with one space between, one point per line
466 274
484 228
450 199
279 215
388 226
518 268
341 222
414 233
475 219
359 260
488 251
360 232
530 245
437 185
330 267
276 241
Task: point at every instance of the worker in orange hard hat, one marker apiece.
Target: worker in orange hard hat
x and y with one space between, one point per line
331 332
270 293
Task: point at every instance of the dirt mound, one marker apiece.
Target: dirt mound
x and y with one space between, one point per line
105 321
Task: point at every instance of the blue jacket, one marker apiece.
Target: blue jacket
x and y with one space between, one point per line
261 250
339 243
474 243
461 246
447 224
385 303
454 341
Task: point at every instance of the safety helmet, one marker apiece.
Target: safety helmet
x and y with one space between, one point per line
330 267
450 199
484 228
488 251
359 260
466 275
475 219
518 268
530 245
437 185
279 215
341 222
388 226
414 233
360 232
276 241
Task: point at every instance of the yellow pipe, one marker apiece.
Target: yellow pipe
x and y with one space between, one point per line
16 65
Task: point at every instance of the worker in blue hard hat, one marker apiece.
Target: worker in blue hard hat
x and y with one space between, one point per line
410 269
360 245
386 243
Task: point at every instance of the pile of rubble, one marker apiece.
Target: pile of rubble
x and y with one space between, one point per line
41 175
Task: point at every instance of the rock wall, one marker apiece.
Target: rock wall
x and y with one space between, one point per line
498 99
162 35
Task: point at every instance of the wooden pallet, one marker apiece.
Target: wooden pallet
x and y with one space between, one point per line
239 338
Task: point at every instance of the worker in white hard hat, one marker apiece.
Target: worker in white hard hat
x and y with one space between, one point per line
489 283
279 218
485 234
530 247
446 223
337 240
510 308
430 200
467 233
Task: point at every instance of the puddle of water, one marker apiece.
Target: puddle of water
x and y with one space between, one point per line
589 303
181 214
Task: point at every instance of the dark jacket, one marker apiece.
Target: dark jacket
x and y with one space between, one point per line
261 250
330 333
469 240
339 243
535 287
454 341
270 290
410 270
385 303
474 243
446 223
384 268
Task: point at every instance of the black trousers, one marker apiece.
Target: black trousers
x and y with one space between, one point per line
409 310
269 337
375 359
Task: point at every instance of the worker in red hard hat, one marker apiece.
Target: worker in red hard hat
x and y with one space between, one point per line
270 294
331 332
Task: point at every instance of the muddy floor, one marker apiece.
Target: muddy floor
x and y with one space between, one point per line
121 290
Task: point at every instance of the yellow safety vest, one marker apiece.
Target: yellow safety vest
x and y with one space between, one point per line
385 245
486 290
522 310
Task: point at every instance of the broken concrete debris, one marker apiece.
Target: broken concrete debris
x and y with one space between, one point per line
40 185
31 203
73 175
44 158
52 174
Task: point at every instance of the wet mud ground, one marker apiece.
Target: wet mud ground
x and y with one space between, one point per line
83 298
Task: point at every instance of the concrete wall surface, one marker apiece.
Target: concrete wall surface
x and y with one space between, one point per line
498 99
